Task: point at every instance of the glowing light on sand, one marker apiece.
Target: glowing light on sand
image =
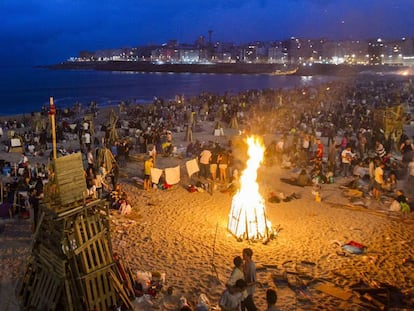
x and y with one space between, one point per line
247 218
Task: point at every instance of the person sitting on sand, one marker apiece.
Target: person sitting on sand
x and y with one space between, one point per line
114 195
400 203
302 180
124 206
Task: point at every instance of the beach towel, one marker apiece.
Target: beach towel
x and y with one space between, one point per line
354 247
155 175
192 167
172 175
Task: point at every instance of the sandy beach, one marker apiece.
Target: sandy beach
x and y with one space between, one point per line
184 235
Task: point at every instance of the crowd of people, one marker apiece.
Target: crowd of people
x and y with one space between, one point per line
328 131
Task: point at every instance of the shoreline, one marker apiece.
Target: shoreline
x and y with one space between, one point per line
228 68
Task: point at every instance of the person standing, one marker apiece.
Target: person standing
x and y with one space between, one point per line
149 163
249 270
90 158
114 174
410 181
204 160
319 150
332 157
237 272
406 149
223 166
346 158
378 180
215 157
380 150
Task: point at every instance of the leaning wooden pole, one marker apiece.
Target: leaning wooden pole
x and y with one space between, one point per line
52 113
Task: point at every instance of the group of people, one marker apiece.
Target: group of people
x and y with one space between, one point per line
241 286
215 162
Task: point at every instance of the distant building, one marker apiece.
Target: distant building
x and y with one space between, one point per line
375 52
291 51
277 53
347 51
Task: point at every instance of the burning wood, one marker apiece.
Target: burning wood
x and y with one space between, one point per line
247 218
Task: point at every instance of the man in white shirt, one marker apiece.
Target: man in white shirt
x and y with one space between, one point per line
346 158
204 161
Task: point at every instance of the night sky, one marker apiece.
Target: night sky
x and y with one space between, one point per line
40 32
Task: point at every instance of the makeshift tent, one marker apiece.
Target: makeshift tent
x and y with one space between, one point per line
39 122
89 118
390 119
113 132
104 155
233 123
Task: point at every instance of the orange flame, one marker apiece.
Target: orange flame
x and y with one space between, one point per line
247 218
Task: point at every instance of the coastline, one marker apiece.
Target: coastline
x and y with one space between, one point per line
227 68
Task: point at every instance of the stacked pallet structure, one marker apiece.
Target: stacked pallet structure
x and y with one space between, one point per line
71 266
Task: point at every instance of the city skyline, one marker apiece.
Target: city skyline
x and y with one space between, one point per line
46 32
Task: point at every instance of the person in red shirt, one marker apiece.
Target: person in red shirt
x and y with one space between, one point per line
319 149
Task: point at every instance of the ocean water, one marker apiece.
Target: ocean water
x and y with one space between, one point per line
27 89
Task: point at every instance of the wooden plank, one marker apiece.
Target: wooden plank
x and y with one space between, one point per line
333 291
89 294
120 290
79 241
92 229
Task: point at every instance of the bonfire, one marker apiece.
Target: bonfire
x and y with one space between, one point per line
247 218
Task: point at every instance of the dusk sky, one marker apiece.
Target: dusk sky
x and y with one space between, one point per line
40 32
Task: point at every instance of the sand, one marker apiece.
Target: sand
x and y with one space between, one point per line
185 236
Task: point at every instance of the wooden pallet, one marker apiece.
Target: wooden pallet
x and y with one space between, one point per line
92 246
71 261
70 178
100 293
43 291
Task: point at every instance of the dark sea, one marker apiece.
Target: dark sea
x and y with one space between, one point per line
26 89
